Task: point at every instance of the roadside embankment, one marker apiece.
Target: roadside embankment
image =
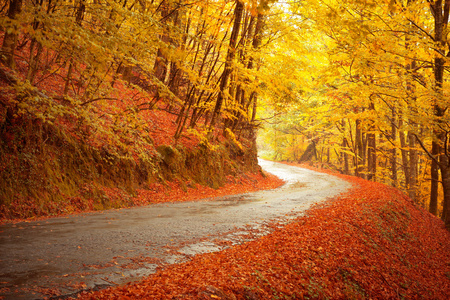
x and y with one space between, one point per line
371 242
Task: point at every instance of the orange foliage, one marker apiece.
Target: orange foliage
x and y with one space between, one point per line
371 242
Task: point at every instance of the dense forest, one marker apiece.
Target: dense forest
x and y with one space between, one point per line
103 98
117 94
372 102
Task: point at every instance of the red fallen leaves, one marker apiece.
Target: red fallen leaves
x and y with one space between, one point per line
372 243
174 192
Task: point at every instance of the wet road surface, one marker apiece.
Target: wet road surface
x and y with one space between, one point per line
66 255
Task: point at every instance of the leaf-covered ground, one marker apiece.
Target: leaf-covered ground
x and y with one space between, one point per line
55 160
173 191
370 243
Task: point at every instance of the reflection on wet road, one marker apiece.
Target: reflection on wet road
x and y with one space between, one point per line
118 246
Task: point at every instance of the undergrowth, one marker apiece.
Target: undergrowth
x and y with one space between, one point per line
54 163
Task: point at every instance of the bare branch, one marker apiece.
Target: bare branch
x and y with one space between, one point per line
426 150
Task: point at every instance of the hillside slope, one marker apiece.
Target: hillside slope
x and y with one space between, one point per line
58 156
107 105
371 243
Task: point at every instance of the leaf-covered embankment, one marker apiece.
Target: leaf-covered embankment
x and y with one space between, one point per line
68 163
46 170
372 242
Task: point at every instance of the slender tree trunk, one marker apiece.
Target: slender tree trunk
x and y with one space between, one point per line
160 68
445 176
394 176
34 60
360 158
68 77
404 151
413 170
176 73
371 150
434 179
411 99
238 12
259 29
446 187
345 146
371 156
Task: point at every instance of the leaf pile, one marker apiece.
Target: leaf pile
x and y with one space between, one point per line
371 242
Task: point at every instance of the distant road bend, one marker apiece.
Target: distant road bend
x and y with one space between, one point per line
112 247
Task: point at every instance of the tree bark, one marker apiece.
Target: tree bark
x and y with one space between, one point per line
10 39
371 150
440 11
403 151
309 153
434 179
413 170
394 177
238 12
360 153
411 99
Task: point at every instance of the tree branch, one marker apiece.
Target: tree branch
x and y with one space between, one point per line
421 29
426 150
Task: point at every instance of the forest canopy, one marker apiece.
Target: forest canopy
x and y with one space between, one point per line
360 86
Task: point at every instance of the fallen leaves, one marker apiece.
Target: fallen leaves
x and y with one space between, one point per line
372 242
174 192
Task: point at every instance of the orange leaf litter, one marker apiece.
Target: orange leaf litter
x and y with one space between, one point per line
371 242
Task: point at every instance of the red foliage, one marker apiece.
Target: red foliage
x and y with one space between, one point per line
95 128
372 242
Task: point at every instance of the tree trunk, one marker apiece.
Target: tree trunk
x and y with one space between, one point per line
413 171
10 39
411 100
404 152
257 39
346 168
371 156
34 60
238 12
309 153
440 11
68 77
434 179
160 68
394 176
371 150
446 187
360 155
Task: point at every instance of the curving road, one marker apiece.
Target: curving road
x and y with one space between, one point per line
93 250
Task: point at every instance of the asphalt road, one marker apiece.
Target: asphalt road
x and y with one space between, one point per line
65 255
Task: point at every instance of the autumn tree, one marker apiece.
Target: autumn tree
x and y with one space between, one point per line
383 74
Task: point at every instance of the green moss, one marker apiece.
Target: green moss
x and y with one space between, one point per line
44 169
